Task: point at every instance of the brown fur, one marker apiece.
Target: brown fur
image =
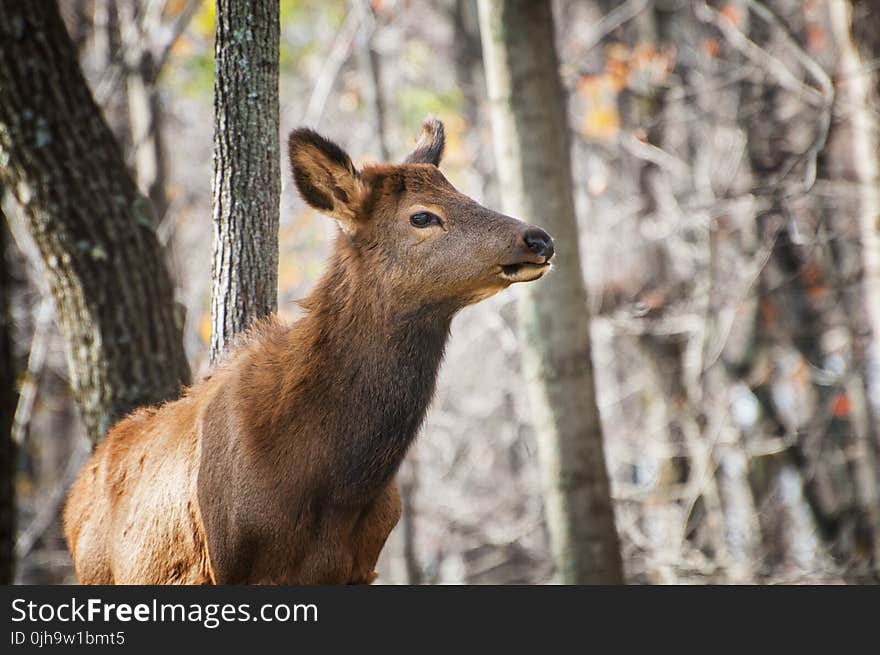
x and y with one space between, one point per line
279 467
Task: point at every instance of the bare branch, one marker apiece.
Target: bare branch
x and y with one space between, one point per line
36 364
614 19
177 28
48 513
760 57
656 156
336 58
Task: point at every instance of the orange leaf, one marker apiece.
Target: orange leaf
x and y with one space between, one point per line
732 14
588 84
182 46
818 293
817 37
617 73
711 47
643 55
602 123
811 273
205 327
617 50
841 405
174 7
769 312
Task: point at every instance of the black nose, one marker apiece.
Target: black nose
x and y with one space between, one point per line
539 242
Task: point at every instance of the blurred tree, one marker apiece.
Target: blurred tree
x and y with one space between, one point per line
803 288
145 41
468 57
791 315
757 112
530 128
850 159
76 15
247 182
94 230
856 29
370 69
8 399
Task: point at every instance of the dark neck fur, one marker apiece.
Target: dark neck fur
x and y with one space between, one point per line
378 364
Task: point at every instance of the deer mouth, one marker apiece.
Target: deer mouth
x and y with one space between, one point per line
524 271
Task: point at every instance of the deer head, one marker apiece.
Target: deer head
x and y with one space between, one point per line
411 230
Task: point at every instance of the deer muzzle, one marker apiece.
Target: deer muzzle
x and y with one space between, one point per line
532 259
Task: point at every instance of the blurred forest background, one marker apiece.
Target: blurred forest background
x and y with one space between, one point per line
725 178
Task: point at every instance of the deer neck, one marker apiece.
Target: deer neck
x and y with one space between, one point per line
377 362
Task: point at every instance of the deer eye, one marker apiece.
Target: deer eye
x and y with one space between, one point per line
424 219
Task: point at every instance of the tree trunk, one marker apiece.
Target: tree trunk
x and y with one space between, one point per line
247 183
530 128
8 398
850 159
468 57
787 315
797 315
94 230
856 94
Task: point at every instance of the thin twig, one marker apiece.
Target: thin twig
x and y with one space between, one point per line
655 155
758 55
760 261
48 513
336 58
113 74
612 20
181 22
810 64
368 60
822 99
36 364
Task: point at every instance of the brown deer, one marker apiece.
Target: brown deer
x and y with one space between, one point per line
279 468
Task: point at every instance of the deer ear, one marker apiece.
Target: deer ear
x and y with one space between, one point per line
325 177
429 148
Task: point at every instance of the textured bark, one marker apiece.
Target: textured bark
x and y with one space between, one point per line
94 230
8 397
530 128
247 183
